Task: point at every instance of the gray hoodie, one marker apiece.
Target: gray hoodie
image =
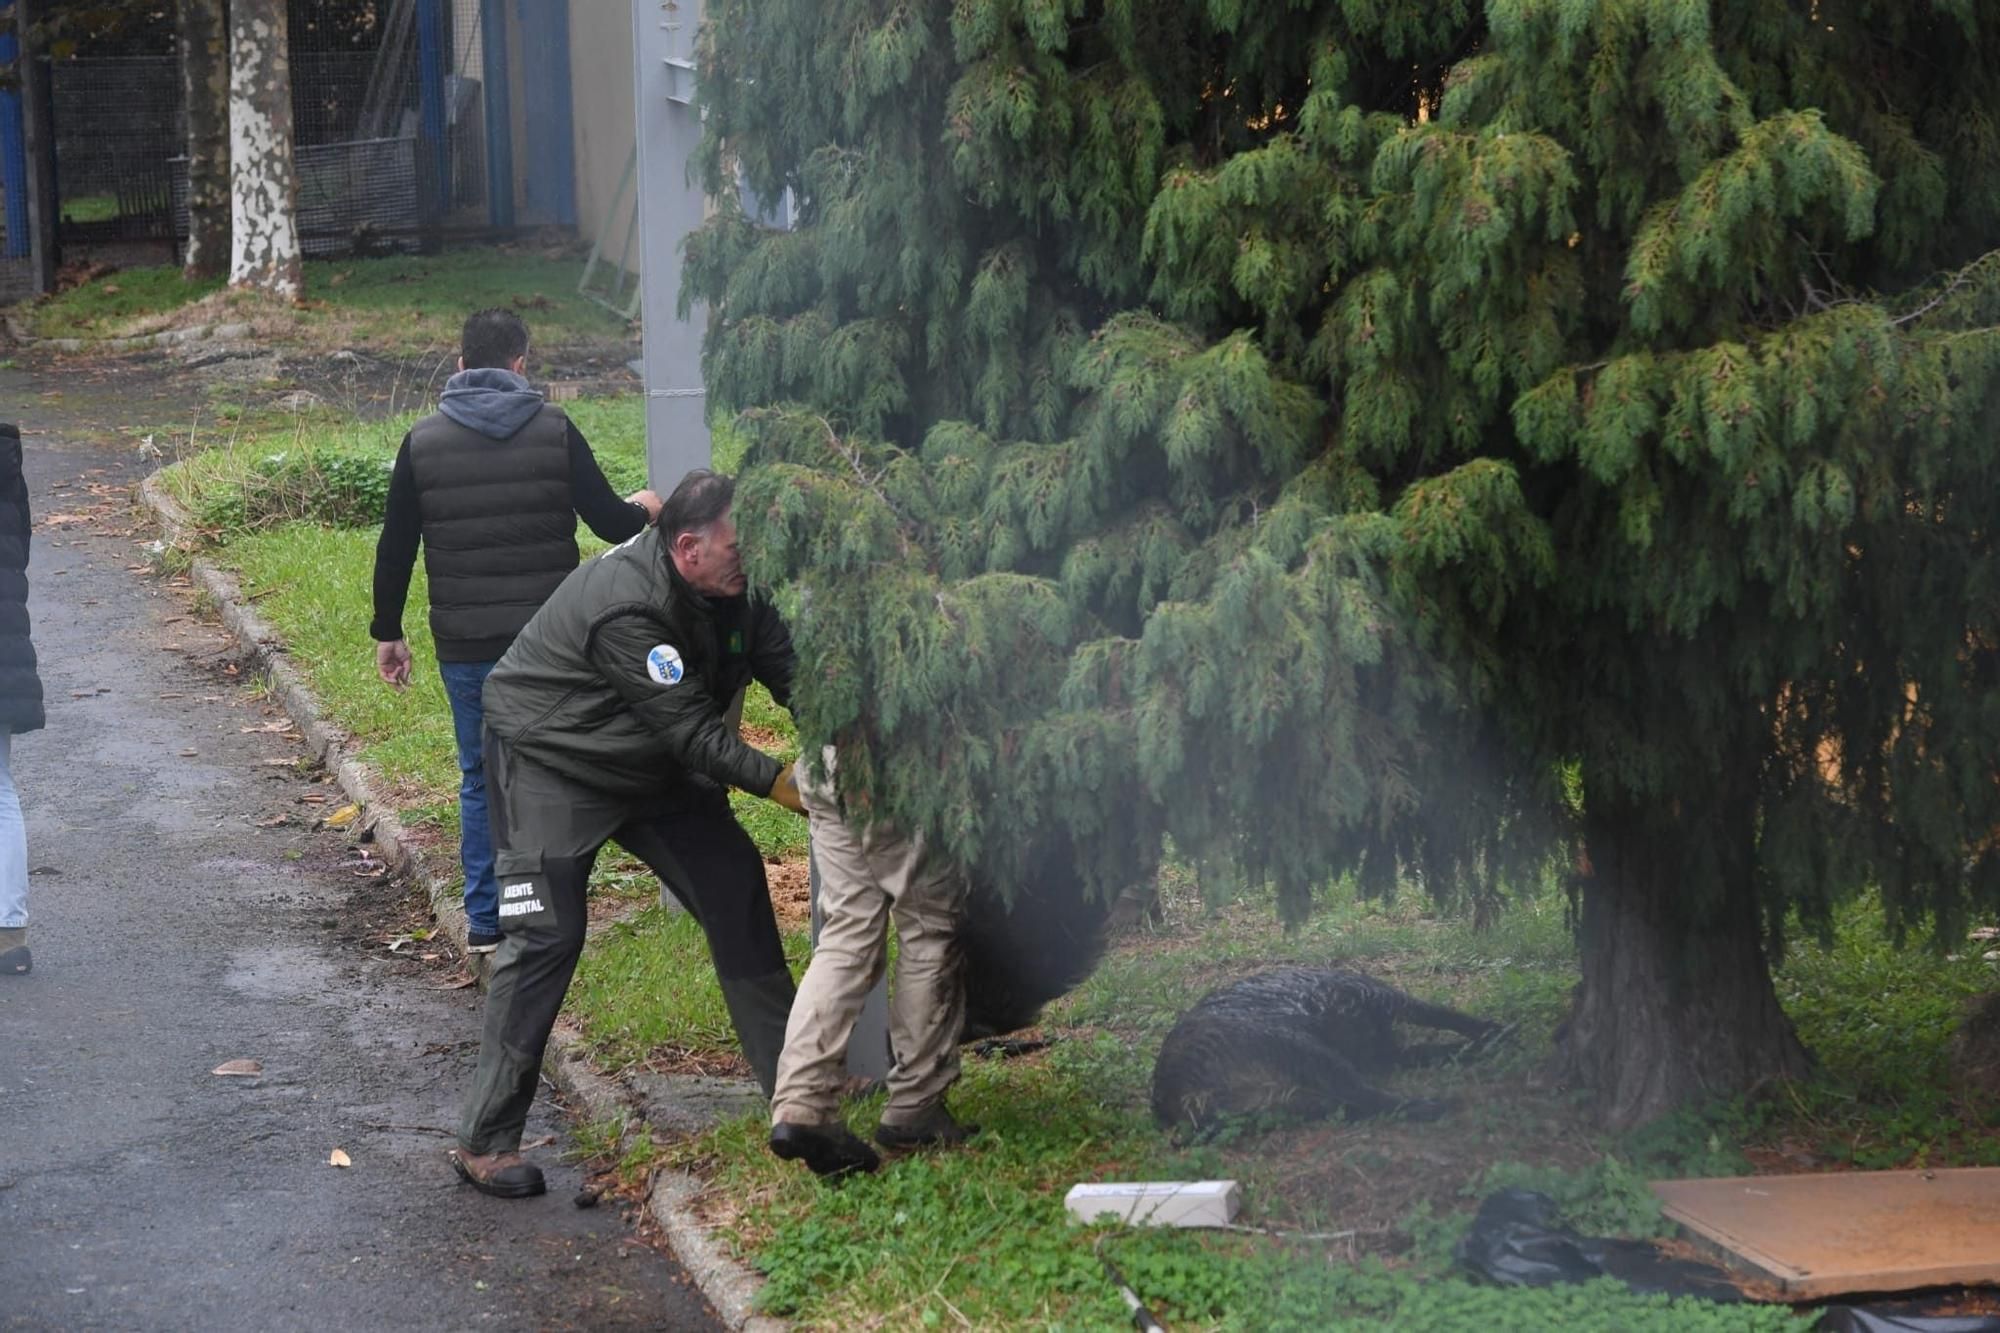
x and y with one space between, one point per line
494 402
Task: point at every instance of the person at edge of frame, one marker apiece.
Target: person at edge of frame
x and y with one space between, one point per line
20 702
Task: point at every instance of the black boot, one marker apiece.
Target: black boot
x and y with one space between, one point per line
830 1150
934 1127
759 1007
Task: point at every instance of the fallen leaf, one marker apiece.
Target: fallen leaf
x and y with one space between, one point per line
339 1157
314 798
171 694
188 753
545 1141
460 984
342 817
238 1068
279 763
283 724
274 820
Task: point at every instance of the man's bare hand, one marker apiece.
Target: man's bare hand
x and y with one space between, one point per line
649 499
392 663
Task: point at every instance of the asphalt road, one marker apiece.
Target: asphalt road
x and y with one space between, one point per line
177 923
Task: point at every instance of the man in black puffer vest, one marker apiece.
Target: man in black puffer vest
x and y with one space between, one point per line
20 702
492 484
613 716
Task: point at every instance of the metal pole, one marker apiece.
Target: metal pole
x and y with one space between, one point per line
13 144
432 56
499 113
546 120
670 206
39 140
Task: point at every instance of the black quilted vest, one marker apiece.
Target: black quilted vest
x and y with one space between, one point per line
499 528
20 686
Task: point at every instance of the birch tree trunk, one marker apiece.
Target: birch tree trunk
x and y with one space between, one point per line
204 57
264 231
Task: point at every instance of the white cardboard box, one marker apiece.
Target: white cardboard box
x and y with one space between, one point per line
1160 1203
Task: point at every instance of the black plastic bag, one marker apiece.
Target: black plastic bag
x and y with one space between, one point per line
1516 1241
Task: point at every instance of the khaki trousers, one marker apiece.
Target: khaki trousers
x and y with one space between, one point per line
867 877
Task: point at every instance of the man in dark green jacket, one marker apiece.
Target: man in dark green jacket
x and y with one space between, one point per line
613 715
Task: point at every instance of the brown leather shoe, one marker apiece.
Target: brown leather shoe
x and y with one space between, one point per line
504 1175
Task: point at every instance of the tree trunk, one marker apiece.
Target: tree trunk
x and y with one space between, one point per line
1676 1005
265 251
204 55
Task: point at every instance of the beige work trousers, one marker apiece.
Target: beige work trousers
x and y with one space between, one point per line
867 876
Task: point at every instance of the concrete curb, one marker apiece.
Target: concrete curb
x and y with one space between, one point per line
725 1283
167 338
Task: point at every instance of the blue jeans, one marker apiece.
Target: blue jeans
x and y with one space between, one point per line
13 844
462 683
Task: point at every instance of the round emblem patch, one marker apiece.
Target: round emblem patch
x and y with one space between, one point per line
663 664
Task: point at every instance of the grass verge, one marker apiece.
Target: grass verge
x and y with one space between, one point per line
395 304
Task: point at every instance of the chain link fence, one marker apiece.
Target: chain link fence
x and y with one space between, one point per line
388 127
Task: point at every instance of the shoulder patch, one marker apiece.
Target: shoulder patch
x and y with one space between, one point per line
663 664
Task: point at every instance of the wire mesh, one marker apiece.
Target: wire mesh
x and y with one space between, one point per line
368 176
117 121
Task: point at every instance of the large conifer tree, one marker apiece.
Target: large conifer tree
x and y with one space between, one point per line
1412 437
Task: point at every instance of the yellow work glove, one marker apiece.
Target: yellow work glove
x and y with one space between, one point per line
785 791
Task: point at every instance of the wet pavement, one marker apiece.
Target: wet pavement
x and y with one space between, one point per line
185 912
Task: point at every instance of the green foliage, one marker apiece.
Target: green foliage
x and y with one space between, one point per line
338 489
1608 1198
1399 439
1887 1095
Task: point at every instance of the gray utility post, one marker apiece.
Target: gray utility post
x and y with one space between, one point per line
670 206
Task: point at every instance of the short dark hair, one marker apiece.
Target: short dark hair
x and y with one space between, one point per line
700 499
492 339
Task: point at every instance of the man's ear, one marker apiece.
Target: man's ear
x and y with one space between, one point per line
519 365
461 363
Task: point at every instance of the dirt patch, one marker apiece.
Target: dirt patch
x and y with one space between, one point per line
762 738
130 393
687 1060
791 892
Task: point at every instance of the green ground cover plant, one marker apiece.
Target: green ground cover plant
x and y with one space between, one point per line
396 303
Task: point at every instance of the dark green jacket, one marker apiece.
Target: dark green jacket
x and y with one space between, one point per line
624 679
